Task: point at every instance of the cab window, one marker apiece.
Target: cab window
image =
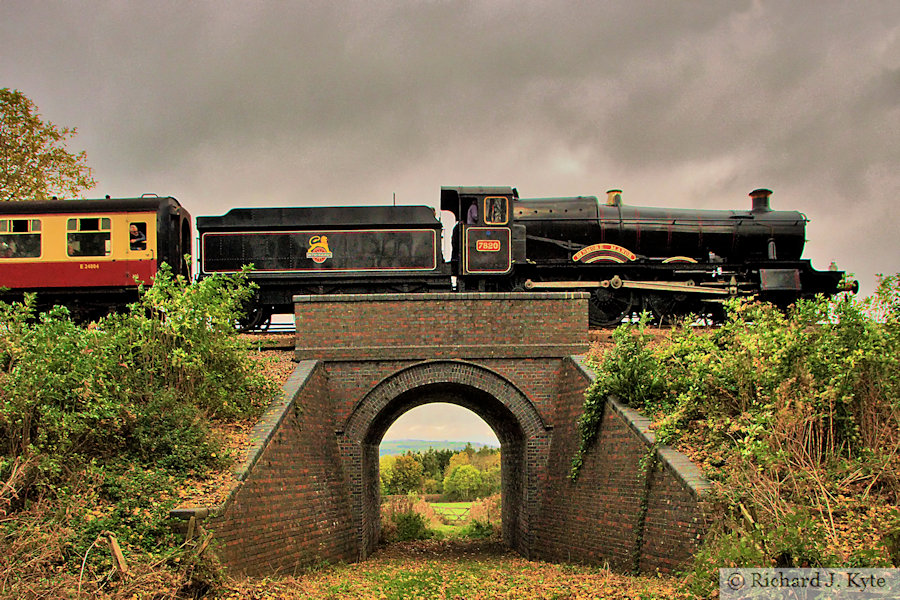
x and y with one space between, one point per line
88 237
20 238
137 236
495 210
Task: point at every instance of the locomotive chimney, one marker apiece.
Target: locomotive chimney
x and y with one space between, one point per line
614 198
760 200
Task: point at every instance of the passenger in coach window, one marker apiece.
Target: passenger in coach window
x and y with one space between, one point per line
138 238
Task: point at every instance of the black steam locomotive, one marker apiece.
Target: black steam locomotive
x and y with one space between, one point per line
670 262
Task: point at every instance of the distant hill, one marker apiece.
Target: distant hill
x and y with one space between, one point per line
404 446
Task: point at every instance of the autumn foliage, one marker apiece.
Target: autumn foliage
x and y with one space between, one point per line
34 161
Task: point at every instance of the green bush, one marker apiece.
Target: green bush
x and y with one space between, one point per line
105 421
793 415
479 530
411 526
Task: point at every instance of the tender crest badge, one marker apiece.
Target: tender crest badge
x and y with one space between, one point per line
318 249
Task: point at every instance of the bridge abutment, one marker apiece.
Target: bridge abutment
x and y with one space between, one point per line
311 491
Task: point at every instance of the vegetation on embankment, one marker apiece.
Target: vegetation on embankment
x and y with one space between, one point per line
101 428
407 518
794 417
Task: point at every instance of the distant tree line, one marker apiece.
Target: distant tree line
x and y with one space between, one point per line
459 476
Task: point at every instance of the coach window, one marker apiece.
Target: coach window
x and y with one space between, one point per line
137 236
20 238
88 237
495 210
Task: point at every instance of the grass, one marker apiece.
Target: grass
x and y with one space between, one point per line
454 518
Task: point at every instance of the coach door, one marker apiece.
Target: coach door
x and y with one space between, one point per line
140 253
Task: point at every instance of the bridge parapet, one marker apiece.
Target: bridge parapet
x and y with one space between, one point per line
441 325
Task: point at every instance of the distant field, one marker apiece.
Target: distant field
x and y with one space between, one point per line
444 506
389 447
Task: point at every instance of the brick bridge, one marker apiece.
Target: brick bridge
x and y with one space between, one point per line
309 489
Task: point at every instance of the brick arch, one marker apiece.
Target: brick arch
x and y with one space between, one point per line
429 373
523 435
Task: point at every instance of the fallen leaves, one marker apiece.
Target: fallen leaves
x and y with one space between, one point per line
453 569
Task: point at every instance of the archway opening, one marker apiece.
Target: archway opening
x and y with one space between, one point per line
449 460
499 419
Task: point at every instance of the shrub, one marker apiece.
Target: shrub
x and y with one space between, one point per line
794 416
104 422
410 526
407 518
487 510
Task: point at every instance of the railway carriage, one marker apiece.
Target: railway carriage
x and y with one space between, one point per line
89 254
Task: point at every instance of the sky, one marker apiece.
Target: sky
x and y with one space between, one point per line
678 103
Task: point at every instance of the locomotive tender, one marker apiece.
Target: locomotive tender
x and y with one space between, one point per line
671 262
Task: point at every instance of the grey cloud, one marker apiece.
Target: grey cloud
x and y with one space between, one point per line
681 103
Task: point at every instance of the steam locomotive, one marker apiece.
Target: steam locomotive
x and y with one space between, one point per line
670 262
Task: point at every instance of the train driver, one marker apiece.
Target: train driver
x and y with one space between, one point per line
472 215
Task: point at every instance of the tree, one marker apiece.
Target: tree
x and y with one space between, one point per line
462 483
485 458
457 460
434 462
34 162
404 476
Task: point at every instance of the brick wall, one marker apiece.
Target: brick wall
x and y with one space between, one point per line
521 429
291 508
615 512
441 325
309 489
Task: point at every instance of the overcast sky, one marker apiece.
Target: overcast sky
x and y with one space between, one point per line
679 103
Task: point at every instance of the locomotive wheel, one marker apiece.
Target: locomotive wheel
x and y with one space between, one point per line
607 308
666 309
256 317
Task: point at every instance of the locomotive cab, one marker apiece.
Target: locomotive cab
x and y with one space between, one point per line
484 243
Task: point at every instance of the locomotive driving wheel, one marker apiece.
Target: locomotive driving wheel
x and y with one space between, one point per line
666 308
608 306
255 317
